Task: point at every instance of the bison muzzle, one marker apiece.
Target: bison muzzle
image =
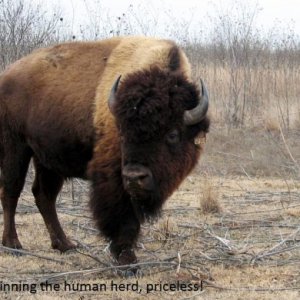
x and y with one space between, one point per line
137 179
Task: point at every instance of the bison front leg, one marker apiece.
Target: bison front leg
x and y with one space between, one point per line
116 219
122 228
123 243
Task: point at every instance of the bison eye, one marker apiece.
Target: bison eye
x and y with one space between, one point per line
173 137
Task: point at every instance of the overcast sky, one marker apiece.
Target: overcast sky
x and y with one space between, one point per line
283 12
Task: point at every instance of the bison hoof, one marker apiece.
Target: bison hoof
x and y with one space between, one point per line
63 246
13 243
127 259
124 255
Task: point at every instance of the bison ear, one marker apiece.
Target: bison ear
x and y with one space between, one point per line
112 96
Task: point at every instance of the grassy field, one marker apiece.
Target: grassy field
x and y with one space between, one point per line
230 232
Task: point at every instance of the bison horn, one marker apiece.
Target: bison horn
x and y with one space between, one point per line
112 96
198 113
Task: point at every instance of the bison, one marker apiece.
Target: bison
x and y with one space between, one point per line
123 113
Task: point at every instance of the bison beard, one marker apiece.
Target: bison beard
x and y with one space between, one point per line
147 209
119 215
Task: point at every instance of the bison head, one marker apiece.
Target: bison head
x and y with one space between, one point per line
159 114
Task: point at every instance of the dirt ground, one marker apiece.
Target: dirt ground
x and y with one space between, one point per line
249 248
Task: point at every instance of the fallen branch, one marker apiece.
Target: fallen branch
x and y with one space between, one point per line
25 252
272 251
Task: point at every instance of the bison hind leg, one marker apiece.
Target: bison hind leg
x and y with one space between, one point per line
45 189
14 161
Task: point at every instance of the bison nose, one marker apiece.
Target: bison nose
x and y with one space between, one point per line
137 177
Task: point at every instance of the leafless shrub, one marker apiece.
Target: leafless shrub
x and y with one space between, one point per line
24 27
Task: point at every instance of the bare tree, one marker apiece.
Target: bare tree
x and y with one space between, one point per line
23 27
237 47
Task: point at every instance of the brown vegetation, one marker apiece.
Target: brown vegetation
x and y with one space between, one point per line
209 199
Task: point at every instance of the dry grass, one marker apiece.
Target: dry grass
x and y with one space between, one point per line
272 124
250 248
252 152
256 96
209 199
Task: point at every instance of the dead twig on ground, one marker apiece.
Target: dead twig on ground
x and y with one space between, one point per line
25 252
273 250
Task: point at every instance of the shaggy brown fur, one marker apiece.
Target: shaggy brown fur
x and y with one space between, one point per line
53 107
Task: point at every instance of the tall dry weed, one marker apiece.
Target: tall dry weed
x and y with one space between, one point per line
209 198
